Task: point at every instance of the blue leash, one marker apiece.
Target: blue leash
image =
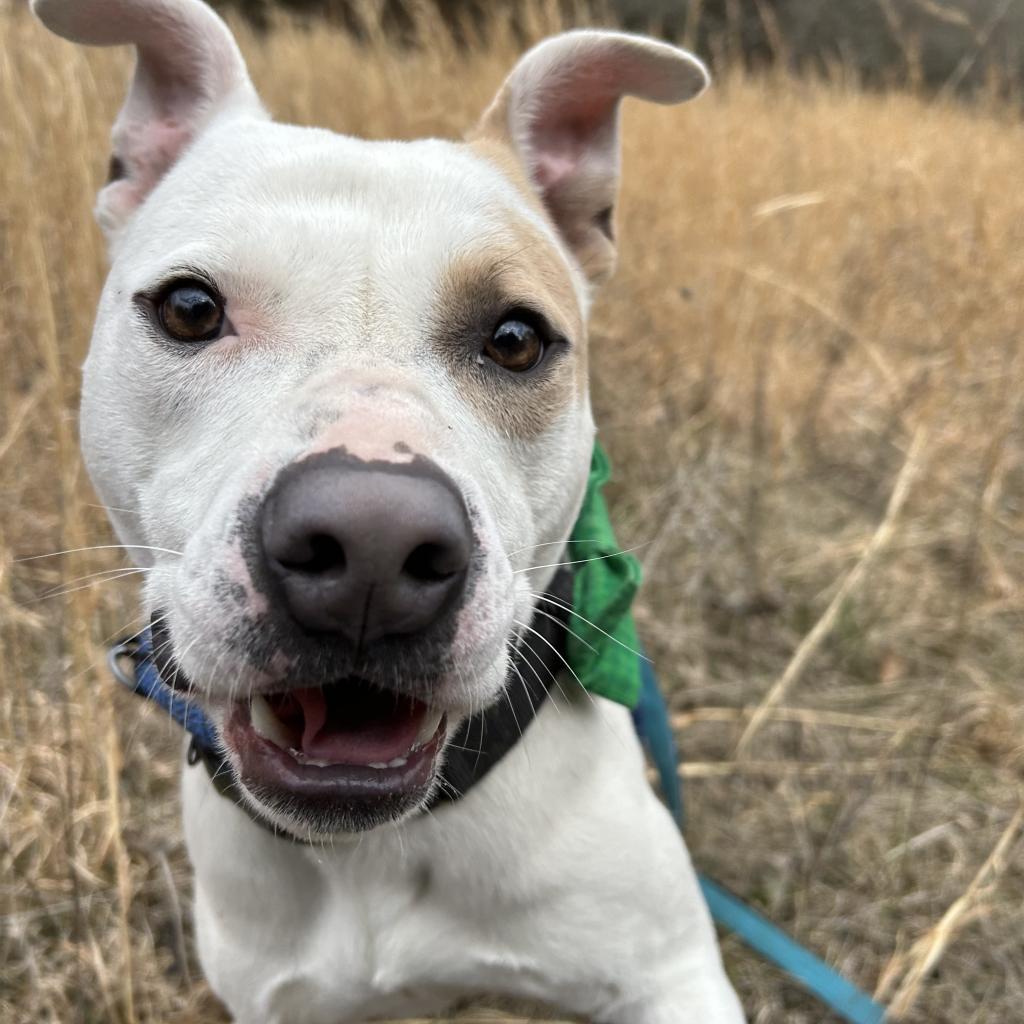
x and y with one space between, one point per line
836 992
652 725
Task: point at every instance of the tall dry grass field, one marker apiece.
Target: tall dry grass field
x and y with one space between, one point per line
810 375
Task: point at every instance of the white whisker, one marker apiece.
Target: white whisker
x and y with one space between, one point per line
550 543
558 654
101 547
583 618
111 508
529 664
583 561
559 622
95 578
554 675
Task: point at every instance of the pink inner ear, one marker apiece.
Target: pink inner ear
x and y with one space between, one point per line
556 158
551 168
188 69
147 148
571 116
151 148
575 112
563 135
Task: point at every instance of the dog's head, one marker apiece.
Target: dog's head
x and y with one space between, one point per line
337 393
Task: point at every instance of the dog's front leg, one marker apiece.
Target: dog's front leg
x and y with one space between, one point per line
617 929
673 973
694 990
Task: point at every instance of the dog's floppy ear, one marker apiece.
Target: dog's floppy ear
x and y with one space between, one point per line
559 108
188 70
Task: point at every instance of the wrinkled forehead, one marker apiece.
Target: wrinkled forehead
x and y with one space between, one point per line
330 219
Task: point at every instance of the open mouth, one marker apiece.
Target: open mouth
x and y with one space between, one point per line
348 742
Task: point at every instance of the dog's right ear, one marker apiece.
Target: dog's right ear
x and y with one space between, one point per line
188 71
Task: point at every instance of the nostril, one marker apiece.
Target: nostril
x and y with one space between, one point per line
321 553
432 563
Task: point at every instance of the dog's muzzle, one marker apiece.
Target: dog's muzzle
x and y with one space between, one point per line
360 568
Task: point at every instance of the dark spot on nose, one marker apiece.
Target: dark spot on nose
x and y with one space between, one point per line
366 550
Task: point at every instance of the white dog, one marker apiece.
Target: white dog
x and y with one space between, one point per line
337 401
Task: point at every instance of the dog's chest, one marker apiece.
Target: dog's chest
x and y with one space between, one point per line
400 941
493 895
306 939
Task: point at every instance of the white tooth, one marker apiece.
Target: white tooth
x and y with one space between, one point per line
378 765
266 724
399 762
305 759
431 721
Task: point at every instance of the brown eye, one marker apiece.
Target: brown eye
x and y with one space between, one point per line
190 312
515 346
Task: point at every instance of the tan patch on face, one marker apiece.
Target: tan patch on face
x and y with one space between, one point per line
520 269
500 152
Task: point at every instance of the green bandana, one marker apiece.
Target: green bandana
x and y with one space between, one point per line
603 640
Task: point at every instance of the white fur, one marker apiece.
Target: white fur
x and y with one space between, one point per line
560 877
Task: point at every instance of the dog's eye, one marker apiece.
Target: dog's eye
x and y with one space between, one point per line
190 312
515 346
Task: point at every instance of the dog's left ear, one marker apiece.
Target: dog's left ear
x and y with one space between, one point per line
559 111
188 72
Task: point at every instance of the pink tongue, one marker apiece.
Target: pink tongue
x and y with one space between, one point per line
375 734
314 714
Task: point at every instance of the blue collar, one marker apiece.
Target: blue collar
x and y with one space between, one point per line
143 677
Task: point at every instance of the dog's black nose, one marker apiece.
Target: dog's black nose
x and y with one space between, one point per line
366 549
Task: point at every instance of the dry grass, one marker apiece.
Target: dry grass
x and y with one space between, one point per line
811 278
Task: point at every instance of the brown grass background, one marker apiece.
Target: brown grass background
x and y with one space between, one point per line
809 374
